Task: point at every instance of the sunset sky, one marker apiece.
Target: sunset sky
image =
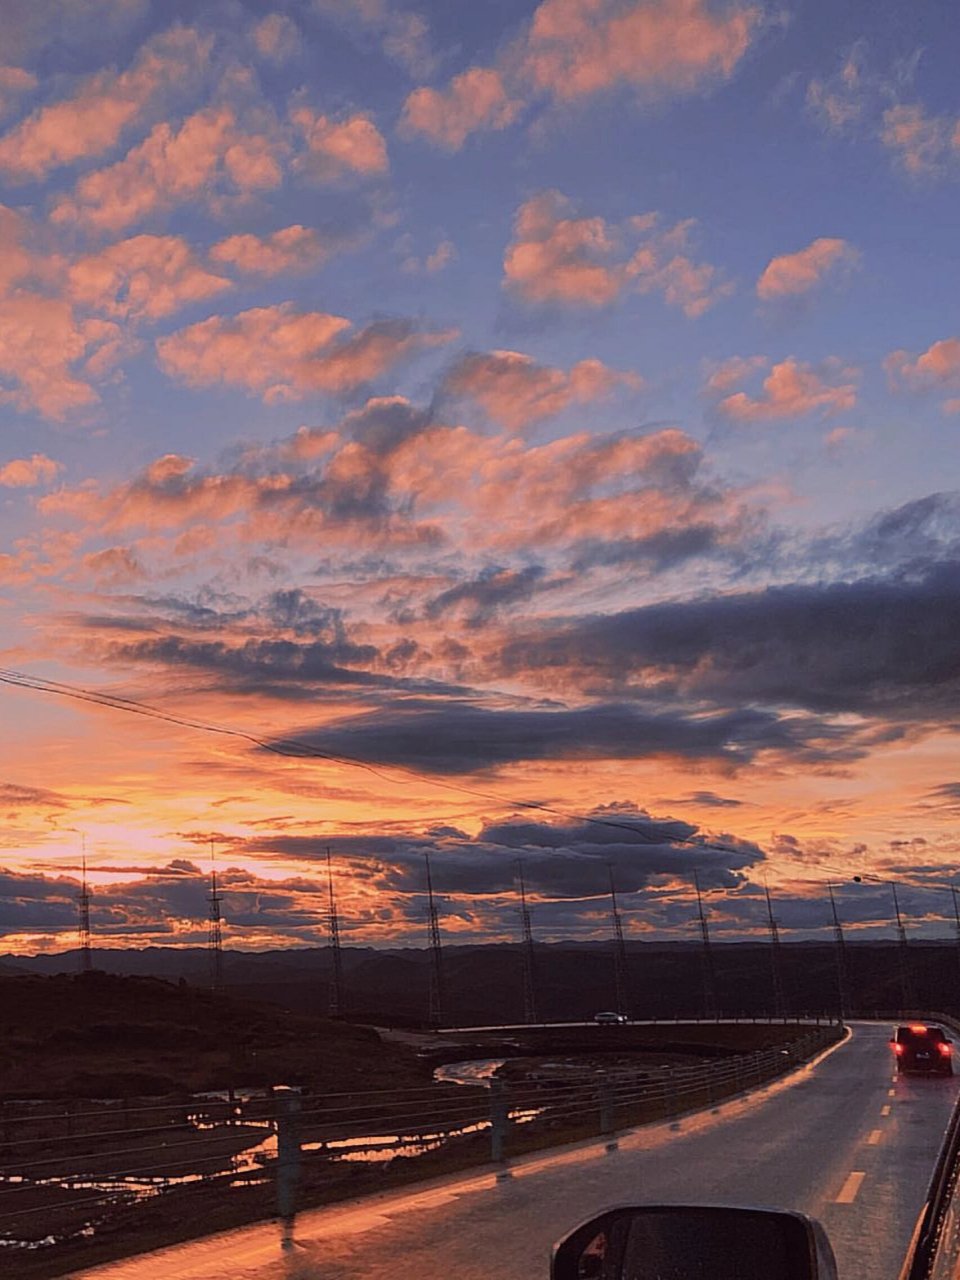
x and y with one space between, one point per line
524 404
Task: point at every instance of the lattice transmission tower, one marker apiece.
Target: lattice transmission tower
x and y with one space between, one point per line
336 985
902 953
529 966
711 1004
436 954
83 904
215 929
619 948
841 954
776 967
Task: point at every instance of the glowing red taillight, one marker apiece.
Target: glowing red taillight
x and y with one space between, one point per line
944 1050
897 1047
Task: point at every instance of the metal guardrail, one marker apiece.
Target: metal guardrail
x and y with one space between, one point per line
745 1019
934 1252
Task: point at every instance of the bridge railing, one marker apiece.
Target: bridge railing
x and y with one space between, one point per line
78 1182
934 1252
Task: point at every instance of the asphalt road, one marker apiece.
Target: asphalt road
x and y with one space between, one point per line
843 1140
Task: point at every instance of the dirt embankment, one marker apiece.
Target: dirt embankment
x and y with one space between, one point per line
100 1036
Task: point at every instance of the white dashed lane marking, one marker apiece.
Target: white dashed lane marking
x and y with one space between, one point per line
874 1137
885 1109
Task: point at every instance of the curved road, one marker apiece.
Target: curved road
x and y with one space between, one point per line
842 1139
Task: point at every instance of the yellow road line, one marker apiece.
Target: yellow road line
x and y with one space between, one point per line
848 1192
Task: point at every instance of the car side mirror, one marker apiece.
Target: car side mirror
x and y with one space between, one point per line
674 1242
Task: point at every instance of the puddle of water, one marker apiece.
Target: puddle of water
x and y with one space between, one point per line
472 1071
386 1147
374 1148
251 1159
138 1188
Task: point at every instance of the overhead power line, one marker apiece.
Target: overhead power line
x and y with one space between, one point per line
299 748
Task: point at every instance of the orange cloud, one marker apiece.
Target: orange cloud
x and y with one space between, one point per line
937 367
793 389
281 354
474 101
574 49
581 261
114 566
921 143
43 347
565 494
516 391
577 48
662 265
438 260
843 438
405 35
793 274
554 258
144 277
209 152
14 81
164 495
392 476
276 37
93 119
729 372
293 248
16 260
27 473
841 101
353 147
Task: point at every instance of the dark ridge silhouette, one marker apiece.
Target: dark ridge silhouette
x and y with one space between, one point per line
484 984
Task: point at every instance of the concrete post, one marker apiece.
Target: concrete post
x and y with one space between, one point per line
499 1125
607 1121
287 1101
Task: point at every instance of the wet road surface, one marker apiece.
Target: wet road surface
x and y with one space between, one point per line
843 1139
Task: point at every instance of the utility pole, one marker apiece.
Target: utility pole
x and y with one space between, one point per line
215 931
710 1002
336 986
779 1003
620 950
901 953
436 954
956 916
83 901
529 970
841 954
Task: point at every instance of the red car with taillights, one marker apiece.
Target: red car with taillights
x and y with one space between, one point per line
922 1048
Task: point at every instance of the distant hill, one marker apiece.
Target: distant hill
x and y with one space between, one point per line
484 984
100 1035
